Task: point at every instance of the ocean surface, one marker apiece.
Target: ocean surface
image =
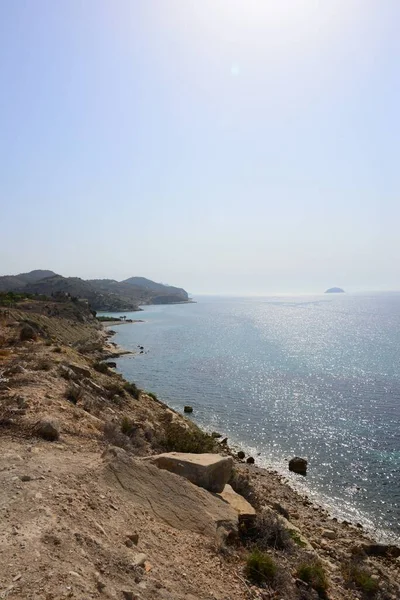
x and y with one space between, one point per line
312 376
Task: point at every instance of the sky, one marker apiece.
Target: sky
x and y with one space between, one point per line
225 146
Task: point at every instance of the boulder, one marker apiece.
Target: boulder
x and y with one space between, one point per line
250 460
381 550
298 465
329 534
168 498
48 430
244 508
111 364
188 409
241 455
209 471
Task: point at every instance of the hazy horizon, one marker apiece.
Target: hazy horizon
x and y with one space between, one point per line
227 147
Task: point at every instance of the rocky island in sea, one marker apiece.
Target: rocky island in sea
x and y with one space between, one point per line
334 290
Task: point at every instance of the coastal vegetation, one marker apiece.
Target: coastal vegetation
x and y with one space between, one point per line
260 567
313 573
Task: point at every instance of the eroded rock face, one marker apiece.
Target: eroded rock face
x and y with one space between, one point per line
79 370
209 471
169 498
298 465
244 508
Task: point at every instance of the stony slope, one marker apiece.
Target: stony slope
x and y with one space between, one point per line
82 520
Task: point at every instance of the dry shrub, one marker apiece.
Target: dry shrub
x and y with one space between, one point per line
43 364
267 531
73 393
132 390
178 438
357 575
27 333
115 391
133 442
101 367
313 573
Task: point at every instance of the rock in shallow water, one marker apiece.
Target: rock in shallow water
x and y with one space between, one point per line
298 465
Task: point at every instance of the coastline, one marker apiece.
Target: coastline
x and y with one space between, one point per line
293 491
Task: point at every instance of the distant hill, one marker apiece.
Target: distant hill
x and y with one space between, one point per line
36 275
335 290
160 292
102 294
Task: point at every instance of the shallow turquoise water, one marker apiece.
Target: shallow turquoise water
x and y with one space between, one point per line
317 377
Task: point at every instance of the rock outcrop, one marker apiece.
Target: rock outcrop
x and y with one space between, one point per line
244 508
209 471
168 497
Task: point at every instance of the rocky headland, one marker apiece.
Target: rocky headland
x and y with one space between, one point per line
105 492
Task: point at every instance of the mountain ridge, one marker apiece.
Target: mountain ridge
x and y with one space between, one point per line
102 294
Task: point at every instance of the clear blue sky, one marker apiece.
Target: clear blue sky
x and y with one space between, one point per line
225 146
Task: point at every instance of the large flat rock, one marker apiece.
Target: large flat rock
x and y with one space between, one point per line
238 503
209 471
166 496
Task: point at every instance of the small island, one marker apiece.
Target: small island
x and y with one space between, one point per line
335 290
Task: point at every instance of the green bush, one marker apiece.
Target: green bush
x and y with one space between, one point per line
132 389
101 367
114 388
107 319
260 567
358 576
314 574
181 439
152 395
126 426
296 538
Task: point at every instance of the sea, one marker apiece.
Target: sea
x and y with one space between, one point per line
310 376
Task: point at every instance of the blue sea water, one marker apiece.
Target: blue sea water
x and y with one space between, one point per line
313 376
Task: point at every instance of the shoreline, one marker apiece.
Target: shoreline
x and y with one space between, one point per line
282 477
103 508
